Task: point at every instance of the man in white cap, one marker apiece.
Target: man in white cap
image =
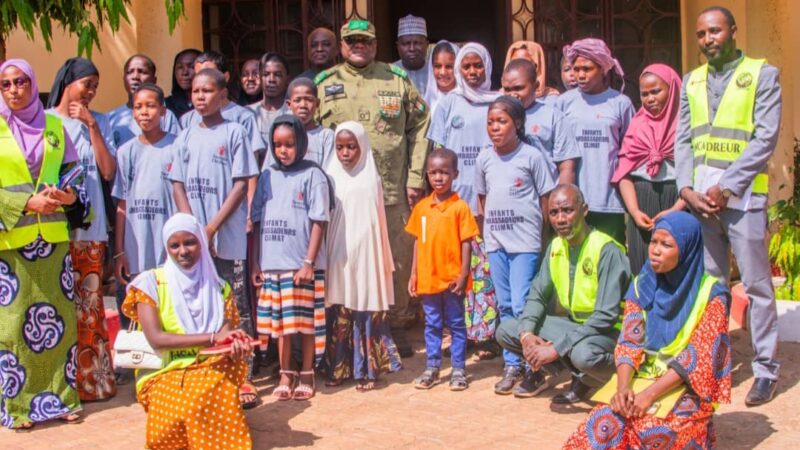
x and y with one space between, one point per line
412 44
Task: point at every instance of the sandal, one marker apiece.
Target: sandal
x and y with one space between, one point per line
71 419
365 385
305 391
285 391
458 380
248 395
334 383
25 427
488 350
428 379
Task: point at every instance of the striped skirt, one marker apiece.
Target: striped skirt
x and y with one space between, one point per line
285 308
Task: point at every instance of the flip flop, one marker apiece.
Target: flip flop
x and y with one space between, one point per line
248 395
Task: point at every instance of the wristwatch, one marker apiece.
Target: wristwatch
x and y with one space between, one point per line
309 262
727 193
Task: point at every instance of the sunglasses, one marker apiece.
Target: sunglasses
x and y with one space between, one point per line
353 40
20 83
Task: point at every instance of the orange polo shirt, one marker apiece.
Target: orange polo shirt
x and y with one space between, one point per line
440 228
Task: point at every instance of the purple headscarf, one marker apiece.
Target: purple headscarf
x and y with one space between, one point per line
597 51
27 124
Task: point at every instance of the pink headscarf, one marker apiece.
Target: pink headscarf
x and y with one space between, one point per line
27 124
651 139
597 51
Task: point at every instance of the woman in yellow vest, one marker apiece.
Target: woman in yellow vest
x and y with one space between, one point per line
673 355
183 307
40 187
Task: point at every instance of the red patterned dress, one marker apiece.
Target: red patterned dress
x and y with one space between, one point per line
704 365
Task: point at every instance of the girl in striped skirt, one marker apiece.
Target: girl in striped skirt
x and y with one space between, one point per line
289 212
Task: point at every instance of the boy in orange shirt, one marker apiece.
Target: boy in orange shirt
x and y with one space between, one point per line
443 226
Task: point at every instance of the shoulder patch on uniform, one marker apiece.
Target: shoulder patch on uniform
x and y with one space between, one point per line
398 71
321 77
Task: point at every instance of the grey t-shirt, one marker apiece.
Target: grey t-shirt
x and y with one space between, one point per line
125 128
207 162
461 126
665 173
285 203
321 144
234 113
599 123
265 118
513 185
79 134
547 126
143 182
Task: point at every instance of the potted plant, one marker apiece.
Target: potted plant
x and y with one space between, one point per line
784 253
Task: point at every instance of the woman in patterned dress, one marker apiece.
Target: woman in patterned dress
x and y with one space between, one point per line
183 307
675 332
38 337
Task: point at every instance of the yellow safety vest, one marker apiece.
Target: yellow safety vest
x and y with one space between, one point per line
580 303
655 363
721 143
15 177
177 358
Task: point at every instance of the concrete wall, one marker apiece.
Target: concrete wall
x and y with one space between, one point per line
148 33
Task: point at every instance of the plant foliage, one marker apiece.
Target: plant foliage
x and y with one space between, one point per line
784 246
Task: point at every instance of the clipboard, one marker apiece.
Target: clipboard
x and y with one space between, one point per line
660 408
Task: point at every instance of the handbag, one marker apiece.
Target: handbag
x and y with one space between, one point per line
132 351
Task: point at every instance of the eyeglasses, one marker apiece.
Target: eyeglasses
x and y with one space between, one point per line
353 40
20 83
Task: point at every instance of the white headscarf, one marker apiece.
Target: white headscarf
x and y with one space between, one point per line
483 94
360 263
432 92
196 292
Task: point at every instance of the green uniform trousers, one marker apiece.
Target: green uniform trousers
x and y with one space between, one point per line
402 245
591 359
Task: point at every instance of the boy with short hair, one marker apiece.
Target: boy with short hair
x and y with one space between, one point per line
443 226
213 163
302 100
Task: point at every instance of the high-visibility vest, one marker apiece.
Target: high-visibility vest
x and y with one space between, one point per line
721 143
655 363
15 177
580 301
176 358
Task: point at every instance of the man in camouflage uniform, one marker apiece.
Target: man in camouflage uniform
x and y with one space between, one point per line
382 98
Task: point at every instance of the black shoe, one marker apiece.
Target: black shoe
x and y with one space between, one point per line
511 374
533 383
403 347
577 392
763 391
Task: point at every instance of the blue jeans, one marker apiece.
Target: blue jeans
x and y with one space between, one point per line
445 309
512 274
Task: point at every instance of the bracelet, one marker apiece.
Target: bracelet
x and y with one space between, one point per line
117 255
309 262
212 339
524 335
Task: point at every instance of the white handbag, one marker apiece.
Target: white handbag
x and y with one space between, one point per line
132 351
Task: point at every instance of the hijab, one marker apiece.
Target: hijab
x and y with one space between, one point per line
536 56
196 292
432 93
27 124
668 298
598 52
73 70
300 139
651 139
179 102
360 257
482 94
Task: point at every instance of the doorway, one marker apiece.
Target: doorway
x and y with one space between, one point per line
457 21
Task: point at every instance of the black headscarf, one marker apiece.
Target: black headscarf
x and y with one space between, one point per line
179 102
73 70
301 142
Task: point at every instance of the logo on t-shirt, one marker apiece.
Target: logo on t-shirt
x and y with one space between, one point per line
516 189
457 122
299 201
219 156
535 129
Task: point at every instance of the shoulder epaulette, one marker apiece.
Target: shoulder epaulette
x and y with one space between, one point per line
321 77
400 72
